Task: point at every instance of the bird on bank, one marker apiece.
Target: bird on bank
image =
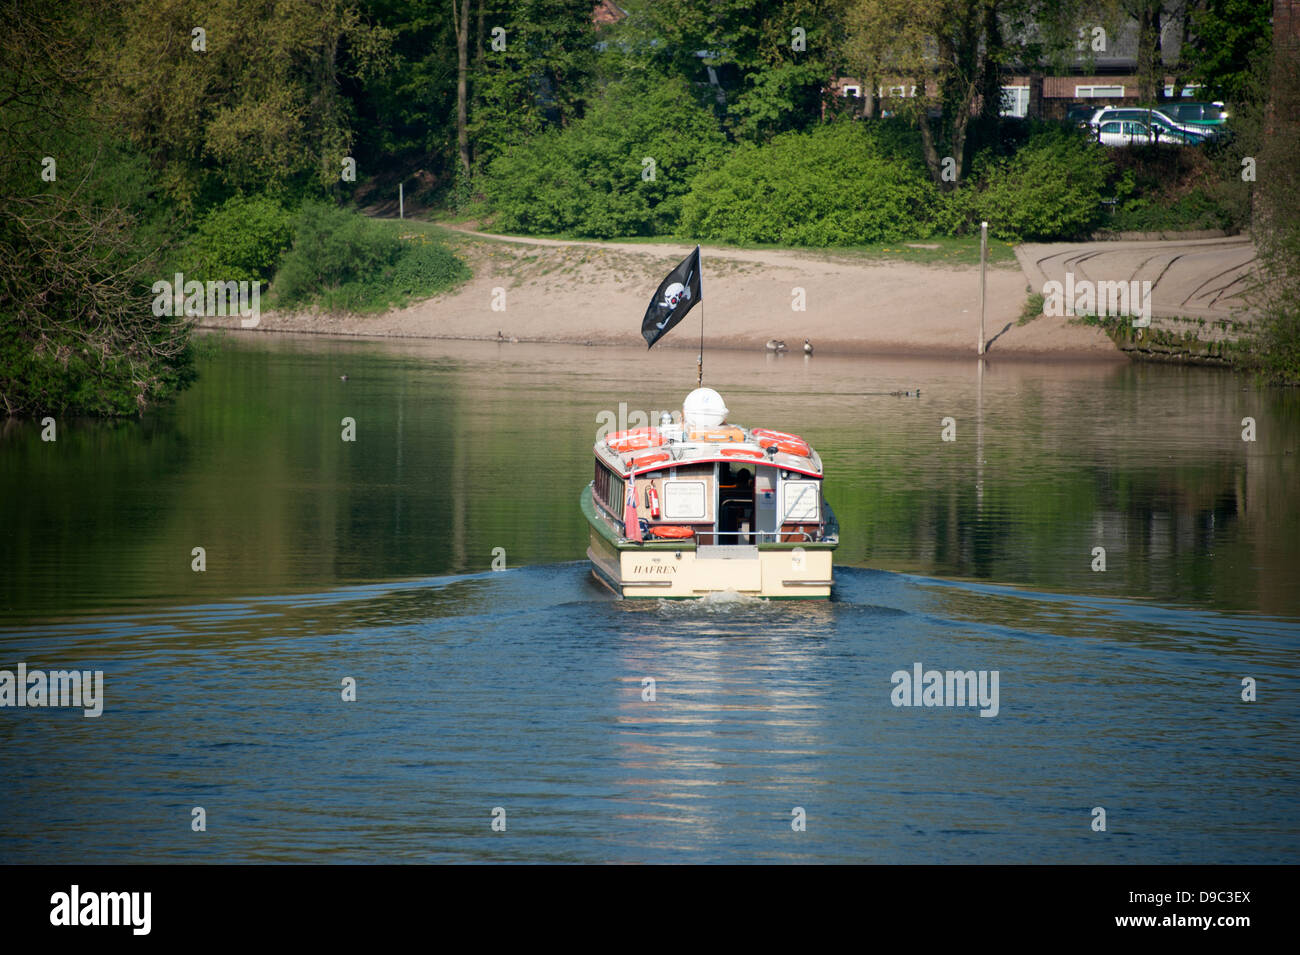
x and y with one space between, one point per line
775 345
807 347
343 377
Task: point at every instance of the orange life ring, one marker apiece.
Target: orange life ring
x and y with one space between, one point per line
637 439
742 452
648 459
671 531
789 443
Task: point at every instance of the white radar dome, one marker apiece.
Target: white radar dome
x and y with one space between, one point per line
704 408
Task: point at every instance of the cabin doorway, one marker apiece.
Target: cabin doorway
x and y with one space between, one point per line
735 504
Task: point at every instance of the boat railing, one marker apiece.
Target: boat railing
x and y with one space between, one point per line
760 537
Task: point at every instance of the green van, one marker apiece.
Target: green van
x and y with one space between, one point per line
1209 115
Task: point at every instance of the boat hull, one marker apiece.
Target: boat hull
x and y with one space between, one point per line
683 570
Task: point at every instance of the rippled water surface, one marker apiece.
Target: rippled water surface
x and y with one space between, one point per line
523 688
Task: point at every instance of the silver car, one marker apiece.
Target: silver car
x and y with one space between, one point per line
1127 132
1159 126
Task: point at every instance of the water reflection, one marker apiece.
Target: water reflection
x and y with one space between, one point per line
466 447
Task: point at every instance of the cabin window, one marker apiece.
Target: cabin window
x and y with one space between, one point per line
608 488
802 501
684 501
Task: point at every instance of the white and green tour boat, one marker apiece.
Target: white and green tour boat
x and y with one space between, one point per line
698 506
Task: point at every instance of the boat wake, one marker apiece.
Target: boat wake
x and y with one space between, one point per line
721 601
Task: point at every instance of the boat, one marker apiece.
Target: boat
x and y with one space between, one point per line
698 506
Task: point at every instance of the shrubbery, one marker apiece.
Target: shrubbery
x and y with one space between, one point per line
241 240
854 183
1196 210
837 185
1050 189
588 180
341 260
844 182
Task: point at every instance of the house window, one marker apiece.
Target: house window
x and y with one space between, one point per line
853 92
1015 101
1188 91
1098 92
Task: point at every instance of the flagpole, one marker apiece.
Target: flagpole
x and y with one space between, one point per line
699 382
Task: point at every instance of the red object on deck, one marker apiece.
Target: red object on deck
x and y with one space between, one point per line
631 525
671 531
788 443
638 439
648 459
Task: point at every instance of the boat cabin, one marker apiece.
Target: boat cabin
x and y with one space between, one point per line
715 502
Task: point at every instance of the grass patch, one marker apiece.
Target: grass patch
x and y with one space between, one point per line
1033 309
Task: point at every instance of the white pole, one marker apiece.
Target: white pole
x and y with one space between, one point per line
401 201
984 247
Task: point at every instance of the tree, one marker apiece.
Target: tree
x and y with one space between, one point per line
537 71
461 20
954 53
945 48
1228 38
405 116
770 61
80 229
252 102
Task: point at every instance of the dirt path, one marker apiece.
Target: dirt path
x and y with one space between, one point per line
596 292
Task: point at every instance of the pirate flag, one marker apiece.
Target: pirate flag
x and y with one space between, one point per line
677 294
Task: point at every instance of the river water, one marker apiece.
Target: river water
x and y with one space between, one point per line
524 689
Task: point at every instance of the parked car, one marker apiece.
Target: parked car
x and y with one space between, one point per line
1128 132
1079 114
1212 116
1160 123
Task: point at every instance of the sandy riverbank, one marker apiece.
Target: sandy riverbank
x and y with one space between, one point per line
596 293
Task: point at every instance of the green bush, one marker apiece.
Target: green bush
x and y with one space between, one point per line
1049 189
587 180
1196 210
343 261
332 248
425 268
241 240
844 183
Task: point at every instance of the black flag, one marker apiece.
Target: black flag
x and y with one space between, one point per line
676 296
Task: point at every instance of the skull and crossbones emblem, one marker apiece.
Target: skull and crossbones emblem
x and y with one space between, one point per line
674 295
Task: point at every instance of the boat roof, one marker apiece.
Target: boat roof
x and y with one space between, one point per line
741 447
